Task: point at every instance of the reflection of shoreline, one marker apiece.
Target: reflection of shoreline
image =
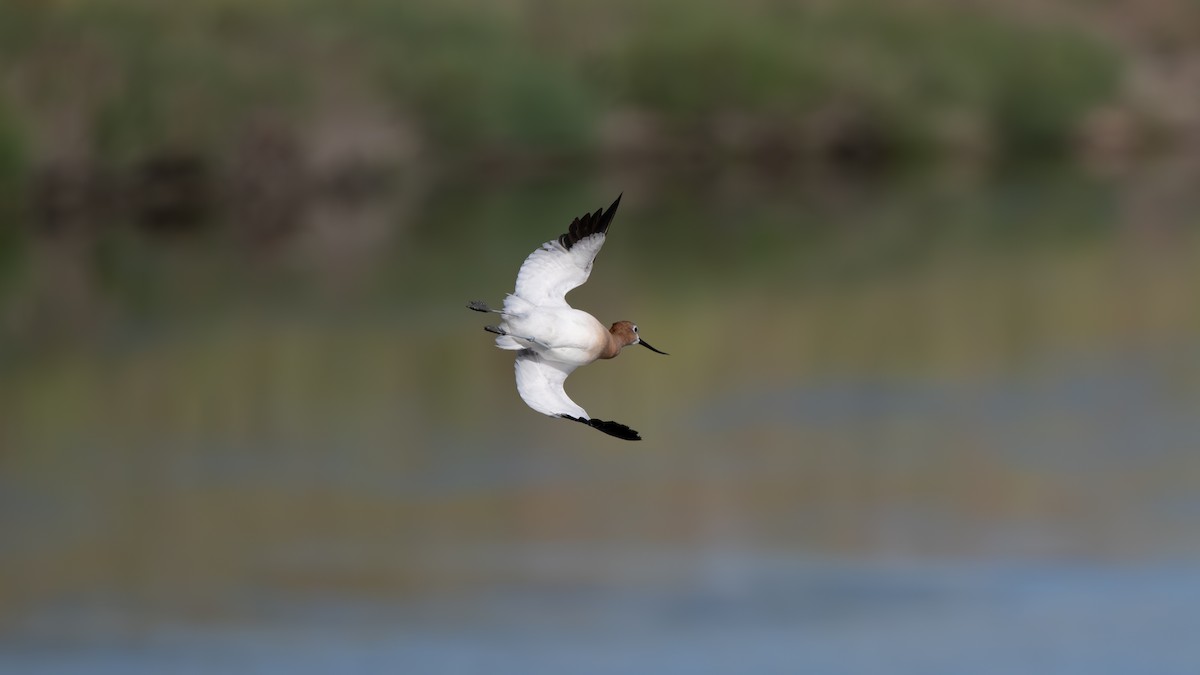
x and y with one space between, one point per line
266 188
810 231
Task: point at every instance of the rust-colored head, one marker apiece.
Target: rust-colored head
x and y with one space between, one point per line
623 334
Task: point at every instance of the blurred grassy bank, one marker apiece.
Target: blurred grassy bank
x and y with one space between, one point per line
109 84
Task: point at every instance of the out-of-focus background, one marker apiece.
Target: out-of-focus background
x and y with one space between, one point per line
929 273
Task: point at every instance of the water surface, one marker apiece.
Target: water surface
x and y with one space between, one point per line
915 425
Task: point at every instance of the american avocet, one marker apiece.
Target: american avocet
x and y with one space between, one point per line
551 338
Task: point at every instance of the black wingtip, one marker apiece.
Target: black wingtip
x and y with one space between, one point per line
611 211
611 428
589 224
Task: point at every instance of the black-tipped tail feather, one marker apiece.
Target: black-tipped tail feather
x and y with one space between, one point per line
611 428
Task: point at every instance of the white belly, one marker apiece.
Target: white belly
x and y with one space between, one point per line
564 335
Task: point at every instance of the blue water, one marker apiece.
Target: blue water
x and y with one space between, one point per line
768 615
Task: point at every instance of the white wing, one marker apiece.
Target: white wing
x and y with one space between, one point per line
550 272
540 384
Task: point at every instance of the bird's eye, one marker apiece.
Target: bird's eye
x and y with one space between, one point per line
635 328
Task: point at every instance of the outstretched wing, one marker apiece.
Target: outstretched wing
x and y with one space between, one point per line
540 384
560 265
611 428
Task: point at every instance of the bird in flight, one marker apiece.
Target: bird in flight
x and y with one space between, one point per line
550 337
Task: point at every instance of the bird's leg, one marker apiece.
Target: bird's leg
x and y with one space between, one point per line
500 331
481 306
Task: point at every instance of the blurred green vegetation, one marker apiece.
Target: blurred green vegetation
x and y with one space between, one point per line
12 150
13 160
899 68
527 79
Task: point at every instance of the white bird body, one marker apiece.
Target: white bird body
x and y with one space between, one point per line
561 334
552 338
